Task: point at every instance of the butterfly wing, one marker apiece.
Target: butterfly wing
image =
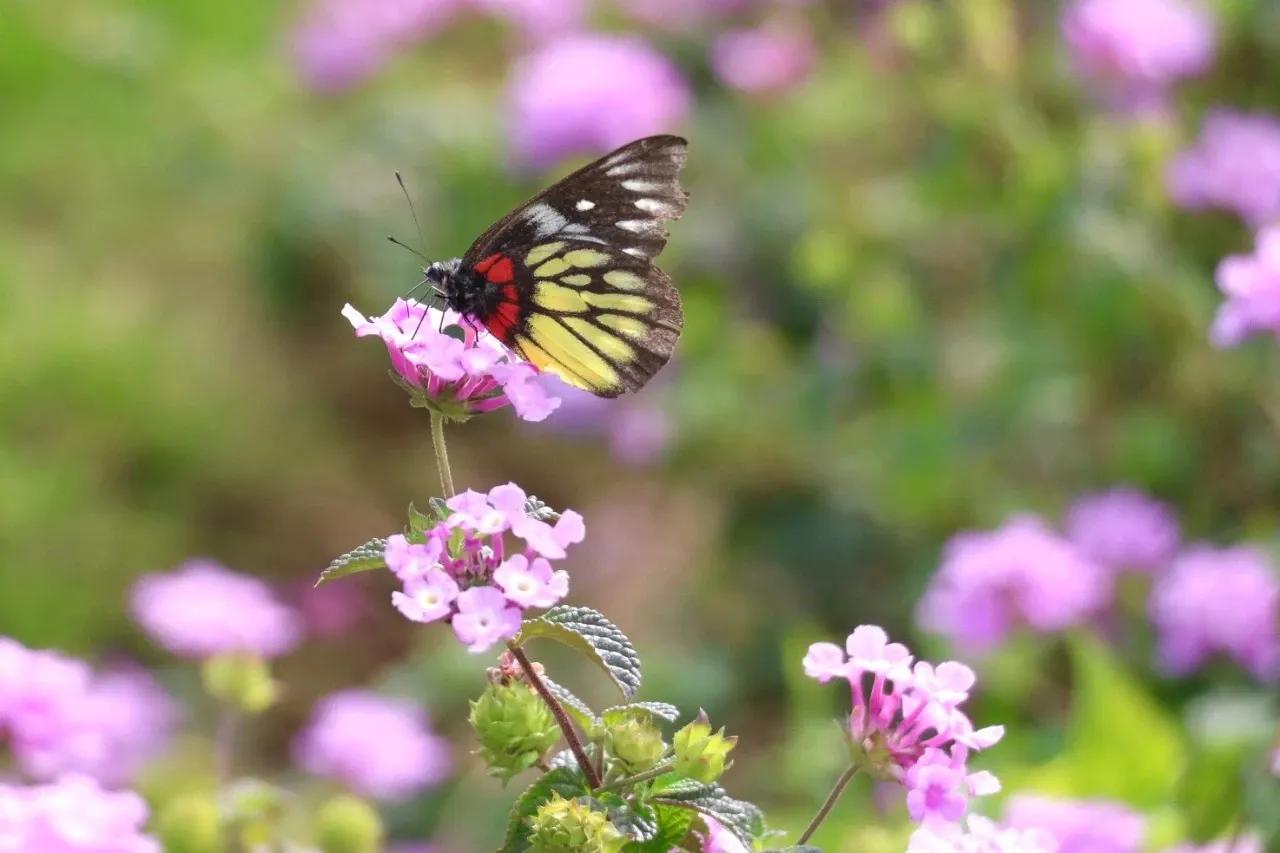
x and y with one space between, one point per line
579 295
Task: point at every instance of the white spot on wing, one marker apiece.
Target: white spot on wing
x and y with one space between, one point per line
545 219
635 226
637 186
624 169
632 250
585 205
654 206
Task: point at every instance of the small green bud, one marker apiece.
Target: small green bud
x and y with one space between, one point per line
568 826
514 726
190 823
636 743
241 680
701 753
348 824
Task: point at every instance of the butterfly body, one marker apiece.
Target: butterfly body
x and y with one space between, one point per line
567 279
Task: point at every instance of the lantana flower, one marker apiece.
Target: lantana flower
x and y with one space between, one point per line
906 725
465 572
1079 826
378 746
1022 574
1234 165
1124 529
203 609
980 835
450 366
1251 285
73 815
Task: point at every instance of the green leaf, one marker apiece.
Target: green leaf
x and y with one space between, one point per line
576 708
419 522
365 558
1112 716
743 819
564 781
1212 793
589 632
673 827
661 710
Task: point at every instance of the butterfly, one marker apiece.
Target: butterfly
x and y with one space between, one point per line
567 279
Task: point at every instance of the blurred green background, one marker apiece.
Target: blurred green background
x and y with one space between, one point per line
933 285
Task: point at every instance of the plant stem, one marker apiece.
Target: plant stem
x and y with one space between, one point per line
557 710
652 773
827 805
442 454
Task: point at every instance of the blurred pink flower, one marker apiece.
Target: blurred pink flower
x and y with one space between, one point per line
471 375
1251 285
1134 49
339 42
1234 165
1079 826
1218 601
979 835
203 609
1020 574
377 746
474 583
637 426
538 19
906 724
1124 529
60 718
771 58
588 94
720 839
330 610
73 815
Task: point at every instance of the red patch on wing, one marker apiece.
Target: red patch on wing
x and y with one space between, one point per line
503 321
483 266
501 271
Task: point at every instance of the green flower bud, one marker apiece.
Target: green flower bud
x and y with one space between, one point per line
190 823
348 824
568 826
514 726
701 753
241 680
636 743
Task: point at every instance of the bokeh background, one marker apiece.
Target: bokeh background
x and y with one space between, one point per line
935 276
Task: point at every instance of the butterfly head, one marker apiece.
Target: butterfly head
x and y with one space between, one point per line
444 277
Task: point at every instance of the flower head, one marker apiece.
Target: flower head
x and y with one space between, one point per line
720 839
203 609
587 94
538 19
377 746
1134 49
466 572
980 835
73 815
1235 165
339 42
1251 284
906 724
1079 826
772 58
1021 574
1218 601
460 376
1123 529
59 717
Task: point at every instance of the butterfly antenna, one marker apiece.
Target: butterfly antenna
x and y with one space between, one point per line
412 212
407 246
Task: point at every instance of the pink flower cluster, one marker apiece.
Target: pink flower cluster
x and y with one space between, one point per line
906 724
1134 49
1123 529
775 57
73 815
1234 165
58 716
203 609
1219 601
474 583
1079 826
980 835
1023 573
379 747
461 376
1251 285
